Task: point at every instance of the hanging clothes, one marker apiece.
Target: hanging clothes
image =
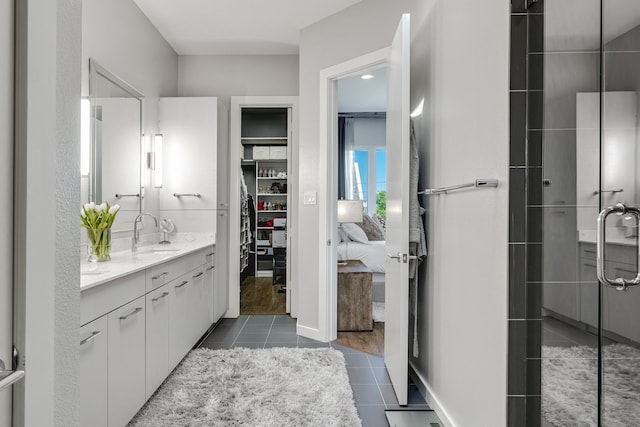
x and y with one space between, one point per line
417 236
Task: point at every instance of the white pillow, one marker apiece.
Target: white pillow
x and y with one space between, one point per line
355 233
342 235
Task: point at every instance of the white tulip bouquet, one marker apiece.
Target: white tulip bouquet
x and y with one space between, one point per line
98 219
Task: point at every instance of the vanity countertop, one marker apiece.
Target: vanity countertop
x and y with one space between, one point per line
126 262
615 236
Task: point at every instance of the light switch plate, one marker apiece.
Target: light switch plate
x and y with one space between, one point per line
310 198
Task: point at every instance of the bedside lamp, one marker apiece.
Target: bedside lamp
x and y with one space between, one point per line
349 211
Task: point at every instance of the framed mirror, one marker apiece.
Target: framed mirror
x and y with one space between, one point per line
115 145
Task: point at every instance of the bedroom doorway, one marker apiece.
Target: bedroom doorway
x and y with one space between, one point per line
360 165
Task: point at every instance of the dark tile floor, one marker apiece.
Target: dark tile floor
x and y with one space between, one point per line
372 390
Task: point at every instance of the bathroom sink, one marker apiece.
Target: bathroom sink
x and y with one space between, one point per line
154 250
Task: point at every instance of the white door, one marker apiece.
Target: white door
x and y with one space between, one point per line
6 200
396 327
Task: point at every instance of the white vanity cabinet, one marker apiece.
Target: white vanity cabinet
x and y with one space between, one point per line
620 314
93 373
135 329
126 362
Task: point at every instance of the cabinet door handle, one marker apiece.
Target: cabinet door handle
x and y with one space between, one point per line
211 268
160 275
91 337
182 284
135 310
164 294
211 254
197 275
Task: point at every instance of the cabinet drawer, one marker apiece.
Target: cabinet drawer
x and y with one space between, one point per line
278 152
100 300
260 153
170 270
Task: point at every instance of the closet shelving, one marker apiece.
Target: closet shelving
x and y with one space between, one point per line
265 137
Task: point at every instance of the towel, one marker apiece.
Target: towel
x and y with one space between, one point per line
417 237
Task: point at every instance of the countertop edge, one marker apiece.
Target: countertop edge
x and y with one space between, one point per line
145 264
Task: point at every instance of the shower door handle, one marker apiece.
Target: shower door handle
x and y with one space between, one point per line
619 283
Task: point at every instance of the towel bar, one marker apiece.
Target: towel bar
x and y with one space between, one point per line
475 184
186 194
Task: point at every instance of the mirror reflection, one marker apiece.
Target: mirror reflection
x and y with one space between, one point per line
115 145
589 161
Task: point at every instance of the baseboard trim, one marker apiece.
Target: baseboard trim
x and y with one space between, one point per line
311 333
429 396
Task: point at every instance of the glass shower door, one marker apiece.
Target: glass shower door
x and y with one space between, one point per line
620 186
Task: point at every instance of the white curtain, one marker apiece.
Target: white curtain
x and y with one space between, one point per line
349 159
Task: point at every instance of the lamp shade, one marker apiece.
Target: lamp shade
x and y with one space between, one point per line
350 210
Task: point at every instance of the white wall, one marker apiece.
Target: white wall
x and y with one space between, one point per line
460 66
47 289
120 38
224 76
363 28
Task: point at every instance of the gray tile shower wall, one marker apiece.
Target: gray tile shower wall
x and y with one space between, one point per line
525 199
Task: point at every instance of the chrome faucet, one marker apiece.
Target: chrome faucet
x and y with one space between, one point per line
136 235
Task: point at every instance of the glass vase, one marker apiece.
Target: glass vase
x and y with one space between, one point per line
99 244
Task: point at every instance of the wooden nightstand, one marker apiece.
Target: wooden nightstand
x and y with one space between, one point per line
354 297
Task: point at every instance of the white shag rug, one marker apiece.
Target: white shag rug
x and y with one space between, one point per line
377 311
254 387
570 385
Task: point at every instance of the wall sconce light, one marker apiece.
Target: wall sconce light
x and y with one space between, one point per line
157 148
148 150
85 136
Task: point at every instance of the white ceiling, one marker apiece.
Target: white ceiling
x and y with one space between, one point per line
237 27
356 95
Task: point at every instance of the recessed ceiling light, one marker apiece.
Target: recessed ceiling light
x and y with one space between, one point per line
367 76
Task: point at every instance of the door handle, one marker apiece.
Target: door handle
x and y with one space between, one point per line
404 257
396 257
10 377
619 283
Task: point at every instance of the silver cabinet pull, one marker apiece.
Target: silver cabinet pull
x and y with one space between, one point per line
135 310
164 273
210 254
211 268
182 284
90 338
601 243
164 294
197 275
120 196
